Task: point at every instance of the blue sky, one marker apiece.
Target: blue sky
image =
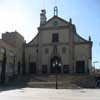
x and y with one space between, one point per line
24 16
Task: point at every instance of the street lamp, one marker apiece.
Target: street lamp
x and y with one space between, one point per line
56 64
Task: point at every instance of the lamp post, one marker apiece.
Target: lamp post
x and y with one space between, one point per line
56 64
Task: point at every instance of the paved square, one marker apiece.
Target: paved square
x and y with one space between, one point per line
50 94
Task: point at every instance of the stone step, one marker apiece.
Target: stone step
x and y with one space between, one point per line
64 81
52 85
44 84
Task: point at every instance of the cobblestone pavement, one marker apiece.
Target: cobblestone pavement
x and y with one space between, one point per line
50 94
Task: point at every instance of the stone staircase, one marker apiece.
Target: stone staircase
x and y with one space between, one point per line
50 82
63 81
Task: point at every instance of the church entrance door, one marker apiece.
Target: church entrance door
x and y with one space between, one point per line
80 67
32 67
54 68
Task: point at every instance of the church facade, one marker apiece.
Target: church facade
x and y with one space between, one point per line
58 47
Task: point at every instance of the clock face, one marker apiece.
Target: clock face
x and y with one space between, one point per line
55 23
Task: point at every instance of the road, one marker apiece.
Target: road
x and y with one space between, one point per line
50 94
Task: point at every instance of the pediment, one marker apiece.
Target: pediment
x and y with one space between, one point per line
55 21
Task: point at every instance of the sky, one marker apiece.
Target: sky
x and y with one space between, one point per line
24 17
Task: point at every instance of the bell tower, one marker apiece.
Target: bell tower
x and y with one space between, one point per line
43 18
55 11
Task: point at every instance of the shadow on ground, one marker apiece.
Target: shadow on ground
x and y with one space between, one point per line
18 83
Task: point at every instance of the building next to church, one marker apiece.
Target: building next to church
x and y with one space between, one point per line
57 39
57 47
11 45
